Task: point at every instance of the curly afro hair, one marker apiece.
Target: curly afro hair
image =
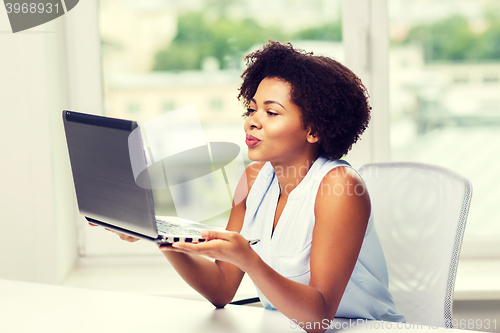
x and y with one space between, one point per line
332 99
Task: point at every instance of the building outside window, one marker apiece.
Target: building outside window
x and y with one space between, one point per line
444 108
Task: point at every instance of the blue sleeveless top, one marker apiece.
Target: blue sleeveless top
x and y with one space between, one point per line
288 250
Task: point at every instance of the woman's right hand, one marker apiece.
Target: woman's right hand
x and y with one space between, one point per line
122 236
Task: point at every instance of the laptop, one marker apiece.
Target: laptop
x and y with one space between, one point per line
107 192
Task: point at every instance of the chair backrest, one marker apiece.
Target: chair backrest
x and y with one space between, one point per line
419 212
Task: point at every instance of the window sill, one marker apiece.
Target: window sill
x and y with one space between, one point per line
477 279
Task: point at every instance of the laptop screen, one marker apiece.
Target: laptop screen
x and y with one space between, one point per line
104 181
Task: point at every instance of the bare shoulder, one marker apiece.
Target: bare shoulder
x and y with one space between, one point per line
342 189
342 174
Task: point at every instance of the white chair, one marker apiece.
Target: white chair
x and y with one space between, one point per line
419 212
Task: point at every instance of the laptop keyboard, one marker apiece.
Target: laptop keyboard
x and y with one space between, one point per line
176 233
169 228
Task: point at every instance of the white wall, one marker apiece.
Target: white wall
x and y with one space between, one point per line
366 45
37 210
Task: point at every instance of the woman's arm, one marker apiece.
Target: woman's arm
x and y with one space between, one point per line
216 280
341 220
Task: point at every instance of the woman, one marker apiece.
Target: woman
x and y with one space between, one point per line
319 255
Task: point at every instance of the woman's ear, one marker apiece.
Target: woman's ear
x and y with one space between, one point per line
311 136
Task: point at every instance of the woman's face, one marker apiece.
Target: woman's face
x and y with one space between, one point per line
274 128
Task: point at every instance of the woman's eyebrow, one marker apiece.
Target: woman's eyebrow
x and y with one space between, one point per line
269 102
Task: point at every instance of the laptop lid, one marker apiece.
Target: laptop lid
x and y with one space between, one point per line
105 187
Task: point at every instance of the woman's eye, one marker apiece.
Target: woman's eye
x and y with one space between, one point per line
248 112
271 113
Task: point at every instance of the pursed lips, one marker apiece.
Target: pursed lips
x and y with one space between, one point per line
251 141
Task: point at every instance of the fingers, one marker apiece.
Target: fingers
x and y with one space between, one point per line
215 240
166 248
171 248
228 246
214 234
124 237
199 248
187 247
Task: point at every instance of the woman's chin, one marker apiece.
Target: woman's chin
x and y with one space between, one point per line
255 157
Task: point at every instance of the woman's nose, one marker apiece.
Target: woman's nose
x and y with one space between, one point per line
253 121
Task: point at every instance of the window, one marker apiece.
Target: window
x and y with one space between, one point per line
430 114
444 108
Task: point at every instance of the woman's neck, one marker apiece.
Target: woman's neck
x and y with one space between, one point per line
291 174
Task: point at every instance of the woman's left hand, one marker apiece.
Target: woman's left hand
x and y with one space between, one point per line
226 246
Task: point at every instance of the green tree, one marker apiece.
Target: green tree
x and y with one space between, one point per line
225 39
330 32
197 38
188 47
452 39
491 39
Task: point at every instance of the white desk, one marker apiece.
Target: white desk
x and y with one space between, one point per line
31 307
